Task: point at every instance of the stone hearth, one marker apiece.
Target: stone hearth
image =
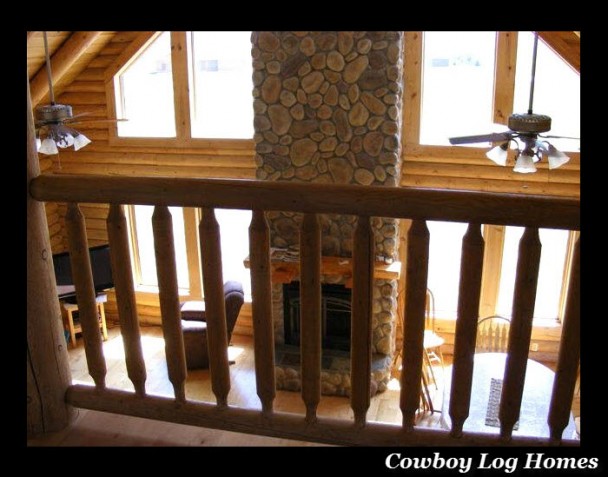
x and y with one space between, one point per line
328 110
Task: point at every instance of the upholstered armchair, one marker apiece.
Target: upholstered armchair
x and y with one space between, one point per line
194 324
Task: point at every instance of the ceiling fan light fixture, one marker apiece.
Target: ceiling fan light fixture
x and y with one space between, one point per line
80 141
498 154
524 164
48 146
556 158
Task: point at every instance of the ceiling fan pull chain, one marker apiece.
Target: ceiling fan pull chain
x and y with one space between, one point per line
533 72
49 75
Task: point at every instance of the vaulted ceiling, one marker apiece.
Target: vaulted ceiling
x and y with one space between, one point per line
72 52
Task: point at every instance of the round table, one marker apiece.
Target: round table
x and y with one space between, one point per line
536 398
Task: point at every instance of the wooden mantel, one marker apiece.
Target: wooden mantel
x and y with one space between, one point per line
285 267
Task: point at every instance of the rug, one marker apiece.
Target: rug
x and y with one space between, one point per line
492 419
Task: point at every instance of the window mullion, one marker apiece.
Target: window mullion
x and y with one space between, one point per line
135 257
412 85
504 75
191 220
179 68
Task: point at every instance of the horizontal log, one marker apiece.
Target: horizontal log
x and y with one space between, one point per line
159 171
398 202
85 87
280 424
158 159
124 36
102 61
488 170
82 98
489 185
91 74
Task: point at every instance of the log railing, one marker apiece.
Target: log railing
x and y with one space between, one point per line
420 205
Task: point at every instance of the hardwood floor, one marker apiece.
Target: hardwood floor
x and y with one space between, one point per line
92 428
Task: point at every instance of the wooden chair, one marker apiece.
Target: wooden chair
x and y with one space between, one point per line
492 334
432 341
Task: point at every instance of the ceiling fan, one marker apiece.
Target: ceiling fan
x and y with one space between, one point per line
525 132
53 121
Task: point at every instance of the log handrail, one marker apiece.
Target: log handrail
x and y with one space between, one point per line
373 201
313 199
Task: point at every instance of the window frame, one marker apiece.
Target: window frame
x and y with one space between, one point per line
191 221
504 91
181 98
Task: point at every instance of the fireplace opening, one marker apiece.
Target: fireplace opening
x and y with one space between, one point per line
335 315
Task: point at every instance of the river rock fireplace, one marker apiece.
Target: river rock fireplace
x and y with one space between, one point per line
328 110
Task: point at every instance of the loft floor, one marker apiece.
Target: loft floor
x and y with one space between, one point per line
92 428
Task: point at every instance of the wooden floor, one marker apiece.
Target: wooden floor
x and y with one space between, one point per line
92 428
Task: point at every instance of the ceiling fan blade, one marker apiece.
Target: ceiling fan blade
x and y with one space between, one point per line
79 115
493 137
559 137
90 121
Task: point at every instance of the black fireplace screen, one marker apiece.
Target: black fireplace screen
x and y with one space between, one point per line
335 315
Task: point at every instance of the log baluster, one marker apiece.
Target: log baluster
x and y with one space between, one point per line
524 297
361 319
164 249
569 354
310 314
215 308
415 307
118 236
261 310
471 265
80 261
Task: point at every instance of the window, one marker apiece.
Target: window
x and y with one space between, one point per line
221 84
143 250
234 233
557 90
458 81
445 248
554 252
145 93
216 69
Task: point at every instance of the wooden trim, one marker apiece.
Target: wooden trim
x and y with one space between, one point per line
402 202
181 89
284 425
566 45
130 54
61 62
504 75
412 87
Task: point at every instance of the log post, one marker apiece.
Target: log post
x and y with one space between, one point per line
361 319
415 308
569 354
471 266
215 308
118 236
82 275
310 314
520 331
48 370
164 250
261 310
